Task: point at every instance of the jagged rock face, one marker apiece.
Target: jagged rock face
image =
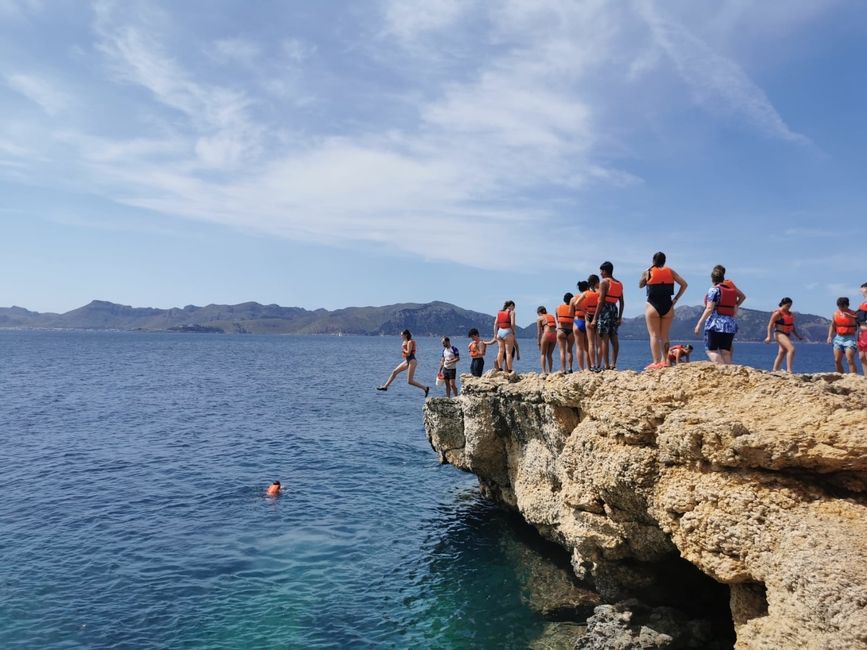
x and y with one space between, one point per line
757 479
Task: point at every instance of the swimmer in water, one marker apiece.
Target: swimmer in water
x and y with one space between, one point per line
273 489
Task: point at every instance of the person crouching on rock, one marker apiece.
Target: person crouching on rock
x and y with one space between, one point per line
477 348
448 366
679 354
409 363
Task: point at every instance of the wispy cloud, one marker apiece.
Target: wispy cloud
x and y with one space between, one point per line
469 159
718 83
40 91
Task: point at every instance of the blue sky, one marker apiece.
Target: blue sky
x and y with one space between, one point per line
363 153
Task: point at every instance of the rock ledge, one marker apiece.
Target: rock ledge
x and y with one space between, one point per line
757 479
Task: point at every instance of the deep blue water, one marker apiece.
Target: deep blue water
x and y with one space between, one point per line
133 515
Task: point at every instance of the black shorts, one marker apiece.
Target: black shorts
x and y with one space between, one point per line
450 373
477 366
714 341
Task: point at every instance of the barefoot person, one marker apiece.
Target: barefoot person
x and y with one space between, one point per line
659 282
449 366
843 329
609 315
718 318
861 343
504 334
590 305
546 339
477 348
565 338
579 326
407 351
781 326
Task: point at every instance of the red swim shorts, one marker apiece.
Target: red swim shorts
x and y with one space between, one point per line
862 340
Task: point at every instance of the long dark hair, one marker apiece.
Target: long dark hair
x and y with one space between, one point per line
659 259
406 334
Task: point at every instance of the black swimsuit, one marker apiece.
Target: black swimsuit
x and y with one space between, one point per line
659 297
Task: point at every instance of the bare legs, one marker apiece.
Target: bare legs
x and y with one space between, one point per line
786 350
658 328
580 348
504 351
721 357
410 377
615 350
593 346
850 359
565 341
547 355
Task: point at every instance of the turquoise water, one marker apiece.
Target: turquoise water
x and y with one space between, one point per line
133 512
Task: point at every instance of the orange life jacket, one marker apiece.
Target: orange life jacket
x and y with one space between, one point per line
475 350
785 323
504 319
661 275
550 321
728 299
675 351
591 302
863 309
403 351
579 313
844 323
564 315
615 290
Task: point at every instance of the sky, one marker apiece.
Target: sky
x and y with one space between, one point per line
365 153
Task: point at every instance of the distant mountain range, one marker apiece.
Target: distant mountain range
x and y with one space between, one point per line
433 318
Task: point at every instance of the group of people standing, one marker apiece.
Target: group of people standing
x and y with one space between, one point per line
584 327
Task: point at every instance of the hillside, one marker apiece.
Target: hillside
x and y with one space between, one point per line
434 318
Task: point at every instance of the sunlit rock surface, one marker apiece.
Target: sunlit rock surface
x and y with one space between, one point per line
757 479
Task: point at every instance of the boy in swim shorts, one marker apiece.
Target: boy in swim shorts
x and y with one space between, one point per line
448 365
477 349
842 329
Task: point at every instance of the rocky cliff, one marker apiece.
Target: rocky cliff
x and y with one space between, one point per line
759 480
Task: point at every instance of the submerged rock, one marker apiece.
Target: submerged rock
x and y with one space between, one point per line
756 479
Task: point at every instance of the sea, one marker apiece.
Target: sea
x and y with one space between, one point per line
133 512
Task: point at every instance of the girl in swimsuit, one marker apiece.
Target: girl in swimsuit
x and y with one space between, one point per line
407 350
590 303
659 311
579 326
546 339
504 334
782 324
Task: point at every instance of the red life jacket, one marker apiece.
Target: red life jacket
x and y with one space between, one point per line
504 319
564 315
785 323
844 323
615 290
405 354
728 299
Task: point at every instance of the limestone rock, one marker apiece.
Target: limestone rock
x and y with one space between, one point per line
757 479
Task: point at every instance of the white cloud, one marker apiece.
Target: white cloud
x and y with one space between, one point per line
718 83
236 49
40 91
409 20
